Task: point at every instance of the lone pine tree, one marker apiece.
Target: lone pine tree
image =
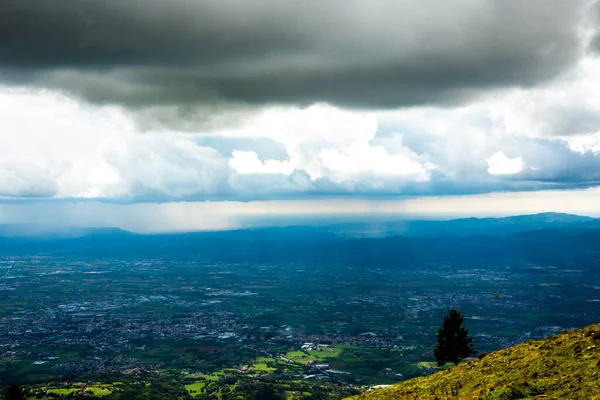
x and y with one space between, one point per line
15 392
453 341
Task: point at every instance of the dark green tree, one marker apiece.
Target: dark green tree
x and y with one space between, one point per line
266 392
453 341
15 392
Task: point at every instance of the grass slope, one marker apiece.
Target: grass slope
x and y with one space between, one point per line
566 366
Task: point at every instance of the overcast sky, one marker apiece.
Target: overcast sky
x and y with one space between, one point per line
314 104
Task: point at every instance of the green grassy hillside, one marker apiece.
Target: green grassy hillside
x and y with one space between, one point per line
566 366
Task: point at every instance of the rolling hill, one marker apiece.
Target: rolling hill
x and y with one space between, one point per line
565 366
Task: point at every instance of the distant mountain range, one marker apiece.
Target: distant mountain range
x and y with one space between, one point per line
562 240
33 231
499 227
465 226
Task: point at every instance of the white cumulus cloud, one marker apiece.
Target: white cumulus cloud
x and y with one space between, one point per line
247 162
500 164
585 143
360 160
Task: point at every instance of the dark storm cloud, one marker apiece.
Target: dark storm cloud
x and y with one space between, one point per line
381 53
594 20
